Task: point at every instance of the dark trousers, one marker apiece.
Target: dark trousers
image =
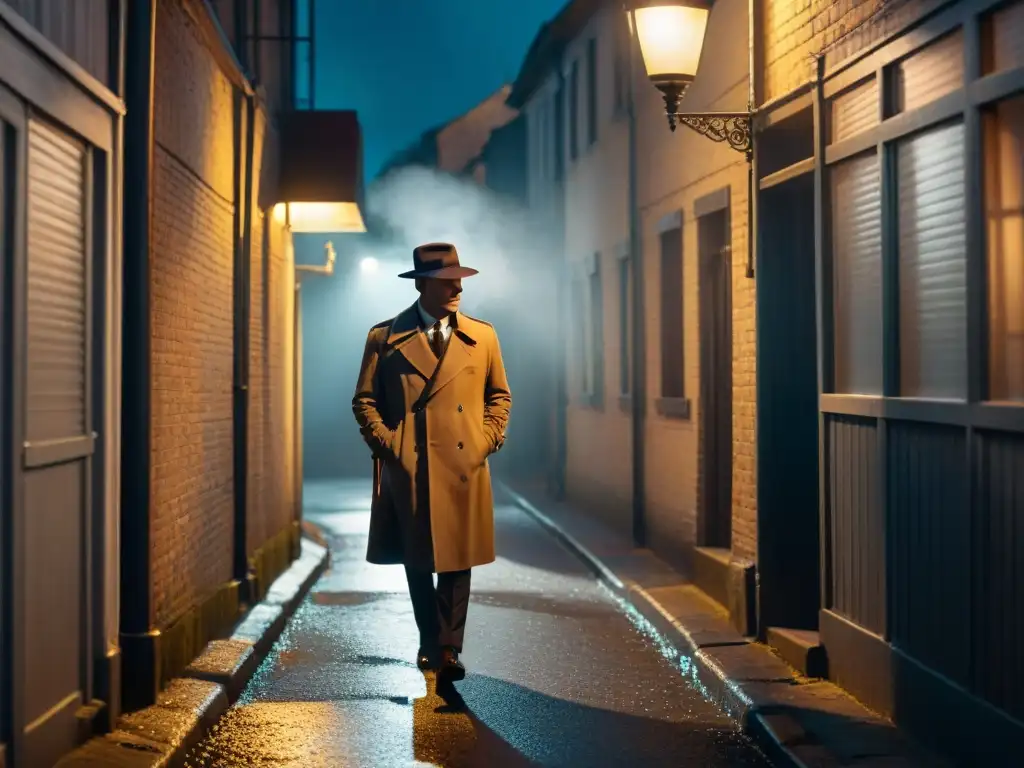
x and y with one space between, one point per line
440 611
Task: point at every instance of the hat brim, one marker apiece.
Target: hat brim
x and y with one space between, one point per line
445 273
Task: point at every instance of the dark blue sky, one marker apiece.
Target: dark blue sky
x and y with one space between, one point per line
407 65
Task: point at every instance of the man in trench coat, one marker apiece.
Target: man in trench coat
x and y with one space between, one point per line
432 402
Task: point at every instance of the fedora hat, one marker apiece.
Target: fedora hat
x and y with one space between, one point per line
438 260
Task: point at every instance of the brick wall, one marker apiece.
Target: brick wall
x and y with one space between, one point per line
191 295
796 31
257 481
744 382
192 501
278 399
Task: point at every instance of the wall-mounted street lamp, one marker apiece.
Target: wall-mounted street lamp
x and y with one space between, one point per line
671 37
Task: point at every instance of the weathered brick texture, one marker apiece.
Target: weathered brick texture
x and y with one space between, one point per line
192 493
798 31
192 497
191 293
257 481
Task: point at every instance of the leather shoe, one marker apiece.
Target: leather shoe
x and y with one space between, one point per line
450 669
423 660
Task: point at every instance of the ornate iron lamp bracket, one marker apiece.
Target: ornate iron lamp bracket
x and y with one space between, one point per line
733 128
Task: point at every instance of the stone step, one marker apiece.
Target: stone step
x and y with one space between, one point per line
800 648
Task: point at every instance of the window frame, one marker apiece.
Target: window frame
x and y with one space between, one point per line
675 406
625 306
593 92
968 103
573 121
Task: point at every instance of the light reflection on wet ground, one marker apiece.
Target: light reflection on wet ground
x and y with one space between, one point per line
558 675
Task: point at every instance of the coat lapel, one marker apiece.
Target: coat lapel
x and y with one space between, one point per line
458 354
406 337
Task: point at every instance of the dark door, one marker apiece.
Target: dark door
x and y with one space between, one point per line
787 408
716 378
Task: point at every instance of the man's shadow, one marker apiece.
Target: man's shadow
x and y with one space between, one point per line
447 734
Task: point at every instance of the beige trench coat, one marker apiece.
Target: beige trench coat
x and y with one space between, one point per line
432 503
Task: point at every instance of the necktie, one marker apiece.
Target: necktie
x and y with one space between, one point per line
437 339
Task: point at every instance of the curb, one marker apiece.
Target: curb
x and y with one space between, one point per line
165 733
779 735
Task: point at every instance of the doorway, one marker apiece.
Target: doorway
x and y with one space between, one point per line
787 408
715 260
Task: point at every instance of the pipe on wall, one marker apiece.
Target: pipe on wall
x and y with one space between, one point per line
753 73
638 386
139 663
245 135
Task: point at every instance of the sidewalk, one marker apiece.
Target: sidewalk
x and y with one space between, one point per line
190 705
799 721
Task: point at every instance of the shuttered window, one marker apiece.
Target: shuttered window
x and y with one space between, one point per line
56 349
932 264
929 74
857 275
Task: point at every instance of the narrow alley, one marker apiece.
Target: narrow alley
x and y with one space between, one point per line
558 675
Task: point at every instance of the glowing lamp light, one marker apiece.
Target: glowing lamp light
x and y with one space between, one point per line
368 265
320 217
671 37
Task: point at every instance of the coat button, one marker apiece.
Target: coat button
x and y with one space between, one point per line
460 446
464 478
460 407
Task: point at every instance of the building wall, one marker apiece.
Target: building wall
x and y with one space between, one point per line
461 140
599 464
81 30
674 171
192 504
271 474
193 210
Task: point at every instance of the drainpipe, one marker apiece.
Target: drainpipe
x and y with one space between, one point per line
752 27
141 664
327 268
639 383
244 139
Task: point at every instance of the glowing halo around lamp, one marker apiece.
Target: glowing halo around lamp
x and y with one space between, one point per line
670 34
368 265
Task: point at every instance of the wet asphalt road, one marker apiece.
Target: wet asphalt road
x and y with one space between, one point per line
558 674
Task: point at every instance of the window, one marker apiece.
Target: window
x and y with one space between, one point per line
1004 215
625 323
620 95
857 275
559 133
672 382
596 329
579 316
592 91
932 264
574 110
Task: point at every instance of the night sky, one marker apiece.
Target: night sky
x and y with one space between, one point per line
408 65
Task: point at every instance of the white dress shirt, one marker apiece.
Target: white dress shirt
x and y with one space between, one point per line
428 324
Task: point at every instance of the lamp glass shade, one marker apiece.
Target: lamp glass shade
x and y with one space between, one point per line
671 38
342 217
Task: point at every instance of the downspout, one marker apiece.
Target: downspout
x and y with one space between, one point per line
639 361
244 140
141 662
752 27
